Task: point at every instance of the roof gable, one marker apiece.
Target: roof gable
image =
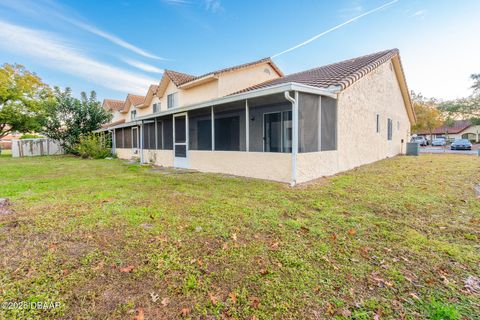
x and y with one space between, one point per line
112 104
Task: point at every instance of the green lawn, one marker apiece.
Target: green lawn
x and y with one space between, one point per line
107 239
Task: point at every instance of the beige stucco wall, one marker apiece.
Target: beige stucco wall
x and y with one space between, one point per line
124 153
162 158
269 166
358 142
234 81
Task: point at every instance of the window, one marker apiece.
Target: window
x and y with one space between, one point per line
378 123
133 114
172 100
156 107
389 129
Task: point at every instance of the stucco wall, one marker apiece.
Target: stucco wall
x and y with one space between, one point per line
269 166
231 82
159 157
358 142
124 153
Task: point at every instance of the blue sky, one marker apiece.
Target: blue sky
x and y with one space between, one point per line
115 47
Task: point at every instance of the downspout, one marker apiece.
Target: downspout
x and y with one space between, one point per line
294 102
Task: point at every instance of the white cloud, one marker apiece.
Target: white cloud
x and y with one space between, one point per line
142 66
53 12
419 13
56 53
214 6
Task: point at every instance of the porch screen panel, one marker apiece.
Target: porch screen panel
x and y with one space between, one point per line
308 122
135 133
119 138
200 129
329 124
230 127
149 130
159 134
145 136
167 133
127 135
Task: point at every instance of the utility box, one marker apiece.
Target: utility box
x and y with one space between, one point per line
413 149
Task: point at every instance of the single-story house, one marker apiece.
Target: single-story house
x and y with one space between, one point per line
459 129
252 120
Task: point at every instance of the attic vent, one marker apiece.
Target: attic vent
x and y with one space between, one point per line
266 70
390 65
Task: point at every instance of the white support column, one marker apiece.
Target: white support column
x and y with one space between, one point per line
213 128
295 139
247 126
141 143
114 142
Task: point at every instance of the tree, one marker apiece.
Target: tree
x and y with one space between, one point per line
68 118
476 83
21 100
428 116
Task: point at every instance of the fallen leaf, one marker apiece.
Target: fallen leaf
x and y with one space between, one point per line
263 272
345 313
225 246
233 297
165 302
352 232
127 269
140 314
185 311
234 237
52 247
334 237
213 299
254 302
274 246
330 311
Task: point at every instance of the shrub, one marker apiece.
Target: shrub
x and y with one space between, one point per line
30 136
96 146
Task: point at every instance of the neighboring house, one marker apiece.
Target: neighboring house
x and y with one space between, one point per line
460 129
6 141
266 125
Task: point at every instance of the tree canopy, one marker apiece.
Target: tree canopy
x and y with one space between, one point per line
428 116
69 118
22 96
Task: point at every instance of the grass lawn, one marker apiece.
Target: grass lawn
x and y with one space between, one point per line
109 240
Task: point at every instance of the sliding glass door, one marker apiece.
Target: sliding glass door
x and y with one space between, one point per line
277 131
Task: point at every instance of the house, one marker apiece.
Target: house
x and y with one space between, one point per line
252 120
460 129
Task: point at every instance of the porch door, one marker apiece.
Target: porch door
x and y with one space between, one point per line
180 140
135 138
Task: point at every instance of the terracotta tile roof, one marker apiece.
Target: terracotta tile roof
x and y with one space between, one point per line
134 99
112 104
457 127
153 88
341 74
179 78
111 124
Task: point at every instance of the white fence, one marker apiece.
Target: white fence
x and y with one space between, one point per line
35 147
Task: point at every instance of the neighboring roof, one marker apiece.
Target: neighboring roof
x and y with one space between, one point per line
457 127
341 74
179 78
112 104
134 99
152 90
111 124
